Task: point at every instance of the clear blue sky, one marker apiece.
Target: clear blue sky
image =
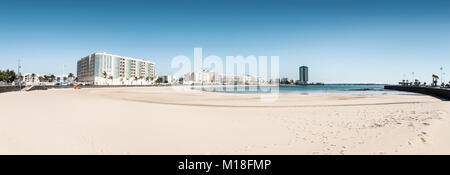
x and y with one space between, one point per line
341 41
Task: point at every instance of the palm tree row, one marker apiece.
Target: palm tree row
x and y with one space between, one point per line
135 78
7 76
52 78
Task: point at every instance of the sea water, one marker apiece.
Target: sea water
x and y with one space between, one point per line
303 89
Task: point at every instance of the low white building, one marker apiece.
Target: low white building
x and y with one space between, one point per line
207 77
204 77
31 79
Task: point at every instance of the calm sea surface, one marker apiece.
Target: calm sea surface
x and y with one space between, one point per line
303 89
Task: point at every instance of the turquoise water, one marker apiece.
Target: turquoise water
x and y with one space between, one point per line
302 89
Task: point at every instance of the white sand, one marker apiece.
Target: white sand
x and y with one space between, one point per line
161 120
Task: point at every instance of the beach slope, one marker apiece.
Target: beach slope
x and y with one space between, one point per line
166 120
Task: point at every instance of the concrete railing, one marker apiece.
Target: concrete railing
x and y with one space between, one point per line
103 86
443 93
10 88
16 88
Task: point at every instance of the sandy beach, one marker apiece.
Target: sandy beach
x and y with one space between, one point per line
166 120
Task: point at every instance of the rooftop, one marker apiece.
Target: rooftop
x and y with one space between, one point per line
138 59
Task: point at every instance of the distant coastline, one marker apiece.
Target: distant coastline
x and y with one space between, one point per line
333 84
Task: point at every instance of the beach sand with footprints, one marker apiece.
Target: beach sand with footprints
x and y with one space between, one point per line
178 120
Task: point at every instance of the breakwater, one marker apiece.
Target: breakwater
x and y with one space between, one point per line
443 93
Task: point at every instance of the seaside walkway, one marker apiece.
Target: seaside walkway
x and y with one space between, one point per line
32 88
442 93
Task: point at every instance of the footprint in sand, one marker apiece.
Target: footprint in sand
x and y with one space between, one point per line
423 140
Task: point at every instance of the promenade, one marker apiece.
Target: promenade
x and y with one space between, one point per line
443 93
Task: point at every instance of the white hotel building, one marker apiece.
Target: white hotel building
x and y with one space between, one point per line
101 68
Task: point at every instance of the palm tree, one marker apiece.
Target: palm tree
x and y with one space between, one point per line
140 78
33 75
41 78
8 76
1 75
52 78
159 80
435 80
111 78
48 78
71 76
